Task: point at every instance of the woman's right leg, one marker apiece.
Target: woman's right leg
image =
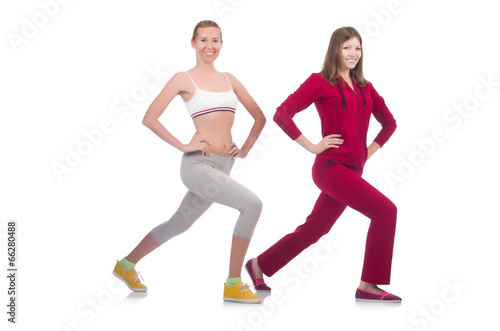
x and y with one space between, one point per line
325 213
190 209
146 246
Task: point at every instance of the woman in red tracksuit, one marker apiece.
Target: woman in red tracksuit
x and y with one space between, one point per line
345 101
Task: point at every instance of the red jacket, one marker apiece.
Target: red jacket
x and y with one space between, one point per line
342 111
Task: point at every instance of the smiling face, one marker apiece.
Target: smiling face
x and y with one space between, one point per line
350 53
207 44
344 56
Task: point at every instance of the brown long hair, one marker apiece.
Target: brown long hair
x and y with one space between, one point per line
334 56
206 24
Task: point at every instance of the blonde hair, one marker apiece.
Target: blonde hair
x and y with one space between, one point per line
334 55
206 24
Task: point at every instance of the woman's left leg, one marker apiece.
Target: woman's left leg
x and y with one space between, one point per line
239 247
230 193
212 182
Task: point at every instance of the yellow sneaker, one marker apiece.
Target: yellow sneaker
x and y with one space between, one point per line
130 278
240 293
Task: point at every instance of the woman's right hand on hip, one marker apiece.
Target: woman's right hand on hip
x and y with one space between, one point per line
330 141
196 145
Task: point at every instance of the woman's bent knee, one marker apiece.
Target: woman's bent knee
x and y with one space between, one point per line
249 216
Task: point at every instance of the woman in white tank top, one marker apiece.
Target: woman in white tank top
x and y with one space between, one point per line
211 98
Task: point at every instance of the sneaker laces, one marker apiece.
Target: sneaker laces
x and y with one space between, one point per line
244 287
136 278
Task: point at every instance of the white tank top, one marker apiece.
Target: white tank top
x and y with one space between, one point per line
205 102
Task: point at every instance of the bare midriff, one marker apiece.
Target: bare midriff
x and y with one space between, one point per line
216 129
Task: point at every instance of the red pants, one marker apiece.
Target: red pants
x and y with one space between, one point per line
341 186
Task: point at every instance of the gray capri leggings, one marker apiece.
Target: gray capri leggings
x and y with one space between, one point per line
207 179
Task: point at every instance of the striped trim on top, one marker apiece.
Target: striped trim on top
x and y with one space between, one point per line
211 110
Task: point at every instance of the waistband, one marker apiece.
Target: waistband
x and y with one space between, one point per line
325 160
219 161
212 156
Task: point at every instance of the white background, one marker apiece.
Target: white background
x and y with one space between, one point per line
75 63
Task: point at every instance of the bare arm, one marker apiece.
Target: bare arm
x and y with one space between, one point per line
251 106
330 141
373 148
158 106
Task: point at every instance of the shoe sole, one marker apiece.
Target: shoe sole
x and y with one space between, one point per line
384 301
243 300
130 287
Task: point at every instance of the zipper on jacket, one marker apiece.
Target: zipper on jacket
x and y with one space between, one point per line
359 148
